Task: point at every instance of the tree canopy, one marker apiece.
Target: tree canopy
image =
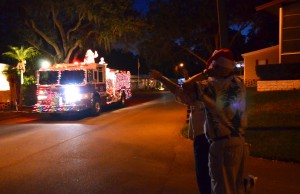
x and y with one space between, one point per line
188 31
21 54
65 29
169 33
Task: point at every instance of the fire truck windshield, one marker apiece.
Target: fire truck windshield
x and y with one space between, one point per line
72 77
48 77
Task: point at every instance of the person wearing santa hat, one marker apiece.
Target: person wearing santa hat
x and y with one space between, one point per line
224 98
195 131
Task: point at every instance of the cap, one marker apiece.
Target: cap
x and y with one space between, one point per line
222 57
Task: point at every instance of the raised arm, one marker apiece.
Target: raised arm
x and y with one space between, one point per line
189 86
166 81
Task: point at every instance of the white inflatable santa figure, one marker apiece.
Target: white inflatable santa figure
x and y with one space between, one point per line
90 56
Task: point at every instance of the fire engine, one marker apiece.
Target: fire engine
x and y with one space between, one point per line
80 86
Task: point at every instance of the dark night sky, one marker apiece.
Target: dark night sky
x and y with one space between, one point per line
141 5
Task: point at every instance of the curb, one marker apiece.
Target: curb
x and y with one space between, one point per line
4 115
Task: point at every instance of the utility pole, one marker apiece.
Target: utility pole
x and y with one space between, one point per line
138 66
222 24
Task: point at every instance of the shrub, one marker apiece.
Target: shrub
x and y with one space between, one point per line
290 71
29 94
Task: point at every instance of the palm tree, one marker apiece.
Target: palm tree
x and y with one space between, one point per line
21 54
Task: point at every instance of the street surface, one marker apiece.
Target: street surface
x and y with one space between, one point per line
138 149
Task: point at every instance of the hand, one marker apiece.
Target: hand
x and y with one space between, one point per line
155 74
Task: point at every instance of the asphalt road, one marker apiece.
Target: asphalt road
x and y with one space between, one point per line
138 149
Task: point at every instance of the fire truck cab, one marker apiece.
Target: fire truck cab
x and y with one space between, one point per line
80 86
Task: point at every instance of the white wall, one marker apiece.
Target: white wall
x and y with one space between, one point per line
278 85
4 85
268 55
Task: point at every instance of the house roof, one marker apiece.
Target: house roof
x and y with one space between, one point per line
261 51
273 6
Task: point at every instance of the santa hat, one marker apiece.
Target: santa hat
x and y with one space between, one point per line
222 57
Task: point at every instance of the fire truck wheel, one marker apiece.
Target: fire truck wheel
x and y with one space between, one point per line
123 100
96 109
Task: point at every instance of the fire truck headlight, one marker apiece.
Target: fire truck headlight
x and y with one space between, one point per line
72 94
41 97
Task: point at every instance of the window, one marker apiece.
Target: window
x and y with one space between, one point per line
100 75
72 77
48 77
95 76
89 75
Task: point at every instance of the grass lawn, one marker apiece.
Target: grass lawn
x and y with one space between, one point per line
275 144
273 124
273 109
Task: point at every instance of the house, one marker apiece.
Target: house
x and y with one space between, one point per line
143 82
5 97
264 56
288 49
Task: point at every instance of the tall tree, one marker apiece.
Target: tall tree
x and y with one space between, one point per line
62 29
181 29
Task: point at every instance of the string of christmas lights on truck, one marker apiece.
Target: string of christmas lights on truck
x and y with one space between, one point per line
80 86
